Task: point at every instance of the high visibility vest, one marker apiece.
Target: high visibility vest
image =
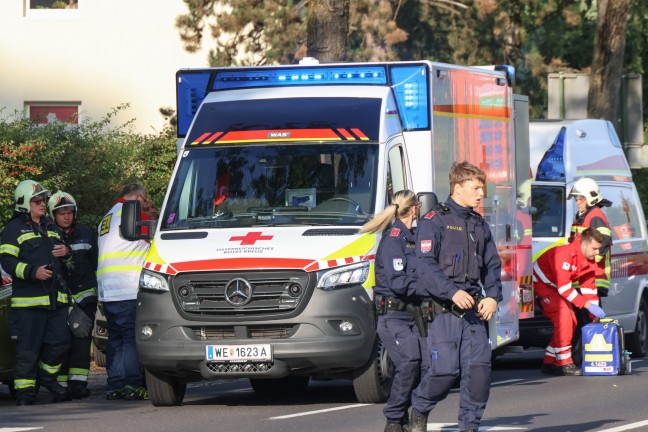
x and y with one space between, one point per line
120 260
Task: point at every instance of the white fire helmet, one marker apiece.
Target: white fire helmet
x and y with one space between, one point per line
587 188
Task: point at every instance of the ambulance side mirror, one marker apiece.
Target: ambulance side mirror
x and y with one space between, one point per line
428 201
132 226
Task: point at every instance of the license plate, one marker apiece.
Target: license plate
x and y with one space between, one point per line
238 353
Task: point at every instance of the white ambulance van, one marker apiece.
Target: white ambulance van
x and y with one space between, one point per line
256 268
561 153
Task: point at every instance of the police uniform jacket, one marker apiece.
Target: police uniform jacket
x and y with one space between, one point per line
396 264
82 276
23 249
456 251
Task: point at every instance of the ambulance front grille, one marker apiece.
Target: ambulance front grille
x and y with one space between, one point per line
262 292
280 331
239 367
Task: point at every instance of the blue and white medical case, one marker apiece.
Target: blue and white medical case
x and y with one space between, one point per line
604 349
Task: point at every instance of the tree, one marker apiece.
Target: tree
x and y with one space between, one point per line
607 62
327 28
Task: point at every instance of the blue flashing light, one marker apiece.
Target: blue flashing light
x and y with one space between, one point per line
267 77
191 89
410 85
552 165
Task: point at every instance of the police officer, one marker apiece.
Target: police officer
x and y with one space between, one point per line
397 302
82 282
30 246
459 269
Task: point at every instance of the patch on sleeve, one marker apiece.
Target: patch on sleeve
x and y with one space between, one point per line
429 215
426 246
566 266
394 232
398 264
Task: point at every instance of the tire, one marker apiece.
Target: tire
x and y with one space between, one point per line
165 390
99 357
638 341
290 385
372 382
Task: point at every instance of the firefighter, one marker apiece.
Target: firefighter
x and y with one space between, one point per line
397 303
31 249
553 275
459 269
590 214
82 282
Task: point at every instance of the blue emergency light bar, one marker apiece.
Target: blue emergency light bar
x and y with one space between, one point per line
231 79
409 81
552 165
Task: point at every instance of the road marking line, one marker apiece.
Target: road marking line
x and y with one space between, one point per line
450 427
507 381
624 428
19 429
318 411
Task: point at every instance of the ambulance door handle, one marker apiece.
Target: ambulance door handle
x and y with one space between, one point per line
508 232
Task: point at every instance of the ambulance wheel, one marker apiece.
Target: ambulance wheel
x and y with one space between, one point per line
372 382
638 342
165 390
290 385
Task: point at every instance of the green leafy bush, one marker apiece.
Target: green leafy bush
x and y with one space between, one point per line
91 161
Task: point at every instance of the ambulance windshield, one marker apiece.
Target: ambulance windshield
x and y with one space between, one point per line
548 215
271 185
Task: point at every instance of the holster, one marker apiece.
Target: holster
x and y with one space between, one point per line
419 319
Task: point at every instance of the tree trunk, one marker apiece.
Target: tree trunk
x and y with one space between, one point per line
328 25
607 63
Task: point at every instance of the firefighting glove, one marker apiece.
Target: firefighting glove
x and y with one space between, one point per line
595 310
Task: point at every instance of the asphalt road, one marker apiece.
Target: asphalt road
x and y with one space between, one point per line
522 399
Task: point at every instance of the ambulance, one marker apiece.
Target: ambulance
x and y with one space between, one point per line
256 269
563 151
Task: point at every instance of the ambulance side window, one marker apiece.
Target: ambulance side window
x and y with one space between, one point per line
395 173
548 216
623 213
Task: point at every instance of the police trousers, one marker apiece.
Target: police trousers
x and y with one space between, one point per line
43 338
406 349
457 348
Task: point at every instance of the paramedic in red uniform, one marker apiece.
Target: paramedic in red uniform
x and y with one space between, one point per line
553 275
590 214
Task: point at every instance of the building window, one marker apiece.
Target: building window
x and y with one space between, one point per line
44 113
52 9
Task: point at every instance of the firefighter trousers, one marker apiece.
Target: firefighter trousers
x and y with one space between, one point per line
561 314
43 338
76 364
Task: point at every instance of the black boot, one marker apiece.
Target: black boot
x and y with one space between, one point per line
25 396
58 392
78 389
393 426
569 369
418 422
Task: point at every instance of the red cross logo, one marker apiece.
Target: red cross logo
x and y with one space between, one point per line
250 238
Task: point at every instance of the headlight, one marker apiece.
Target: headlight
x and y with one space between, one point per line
153 281
349 275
